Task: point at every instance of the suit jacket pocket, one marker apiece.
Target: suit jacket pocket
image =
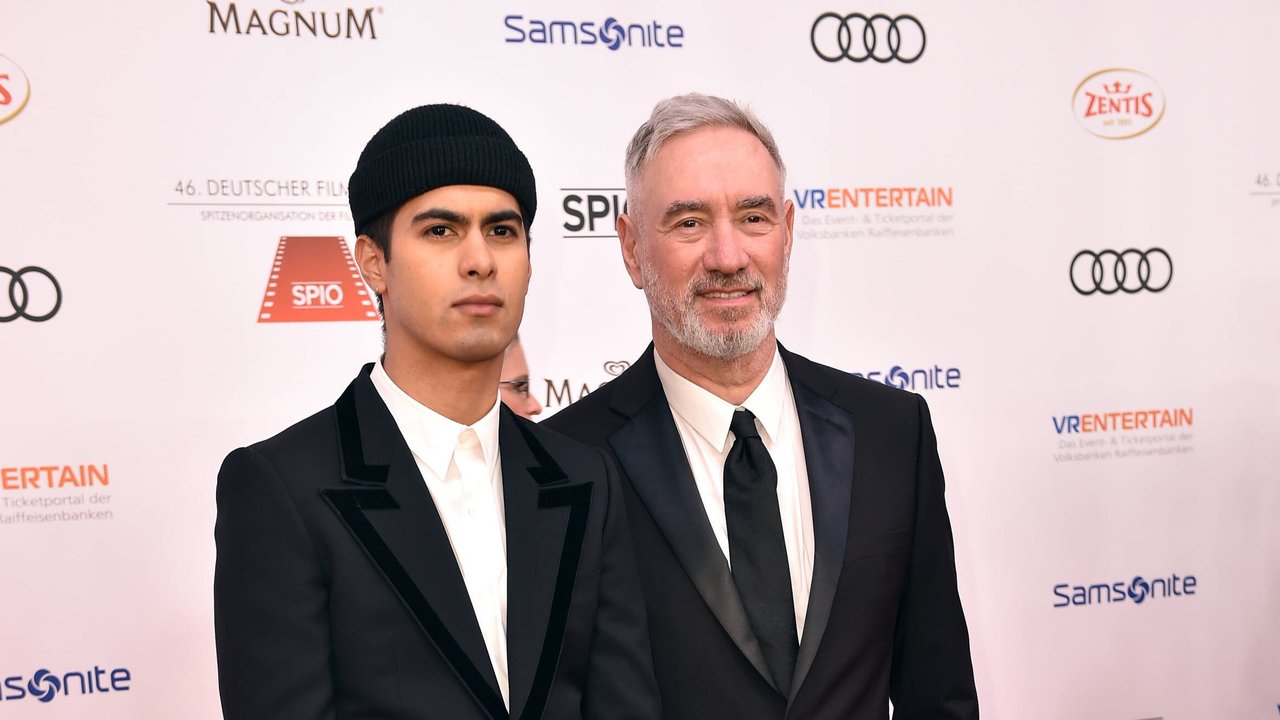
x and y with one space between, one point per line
886 544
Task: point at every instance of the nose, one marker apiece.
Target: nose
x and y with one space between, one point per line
724 251
476 259
531 405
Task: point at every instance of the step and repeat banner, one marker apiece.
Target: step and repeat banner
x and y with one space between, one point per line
1059 224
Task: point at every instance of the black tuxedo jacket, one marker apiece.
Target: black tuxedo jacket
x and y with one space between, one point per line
884 619
337 594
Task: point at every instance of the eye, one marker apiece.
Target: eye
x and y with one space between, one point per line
437 230
755 218
689 223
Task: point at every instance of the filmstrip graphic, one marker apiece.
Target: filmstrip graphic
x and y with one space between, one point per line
315 279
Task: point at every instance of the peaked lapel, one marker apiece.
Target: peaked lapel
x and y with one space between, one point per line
546 518
651 454
386 505
827 432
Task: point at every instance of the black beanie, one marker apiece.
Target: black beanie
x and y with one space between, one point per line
434 146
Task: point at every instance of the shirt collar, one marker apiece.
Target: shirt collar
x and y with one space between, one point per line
709 415
432 437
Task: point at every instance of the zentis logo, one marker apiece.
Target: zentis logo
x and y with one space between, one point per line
1118 103
314 279
15 89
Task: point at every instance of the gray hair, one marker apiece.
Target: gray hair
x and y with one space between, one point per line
686 113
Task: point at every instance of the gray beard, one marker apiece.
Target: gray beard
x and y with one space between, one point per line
676 315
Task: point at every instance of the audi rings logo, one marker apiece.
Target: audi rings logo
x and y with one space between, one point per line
34 294
859 37
1109 272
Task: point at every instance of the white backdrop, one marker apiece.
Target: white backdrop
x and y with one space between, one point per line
152 159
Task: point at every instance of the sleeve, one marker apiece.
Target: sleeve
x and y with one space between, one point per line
932 672
620 683
269 599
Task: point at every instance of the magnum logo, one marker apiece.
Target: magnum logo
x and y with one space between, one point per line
1118 103
314 279
348 23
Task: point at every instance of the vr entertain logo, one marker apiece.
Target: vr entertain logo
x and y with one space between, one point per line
1124 420
611 33
314 279
346 23
15 89
1118 103
54 477
935 378
837 198
45 685
1138 591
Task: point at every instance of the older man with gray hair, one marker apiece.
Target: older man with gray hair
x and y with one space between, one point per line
786 574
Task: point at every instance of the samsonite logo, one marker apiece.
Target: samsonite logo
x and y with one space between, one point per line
46 686
1118 103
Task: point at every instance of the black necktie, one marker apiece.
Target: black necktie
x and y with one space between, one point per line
757 552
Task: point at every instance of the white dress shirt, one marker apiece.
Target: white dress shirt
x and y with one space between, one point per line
462 468
703 422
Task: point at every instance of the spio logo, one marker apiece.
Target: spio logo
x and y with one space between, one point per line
34 294
1118 103
857 37
592 212
1109 272
15 89
314 279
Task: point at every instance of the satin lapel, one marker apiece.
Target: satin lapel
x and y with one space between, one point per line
652 456
546 516
386 505
827 431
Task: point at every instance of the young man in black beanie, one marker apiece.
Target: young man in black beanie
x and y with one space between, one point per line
417 550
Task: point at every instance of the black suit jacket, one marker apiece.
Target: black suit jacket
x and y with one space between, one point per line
884 619
337 594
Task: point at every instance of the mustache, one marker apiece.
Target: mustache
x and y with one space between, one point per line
716 280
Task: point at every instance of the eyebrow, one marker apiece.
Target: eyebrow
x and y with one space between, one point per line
679 206
748 203
757 201
492 218
501 216
438 214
